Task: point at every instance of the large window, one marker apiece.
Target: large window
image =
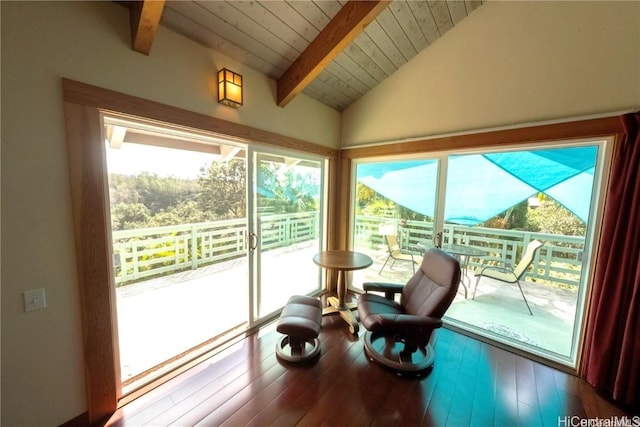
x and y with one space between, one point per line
486 208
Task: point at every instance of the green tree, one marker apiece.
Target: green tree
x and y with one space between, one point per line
160 194
122 189
553 218
185 213
223 189
284 189
299 192
514 218
128 216
364 197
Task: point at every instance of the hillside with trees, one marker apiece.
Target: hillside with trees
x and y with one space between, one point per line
549 217
218 193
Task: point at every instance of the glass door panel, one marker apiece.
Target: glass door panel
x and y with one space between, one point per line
179 231
496 204
287 226
492 205
395 205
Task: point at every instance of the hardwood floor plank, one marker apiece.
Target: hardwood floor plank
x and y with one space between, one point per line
471 384
393 403
289 407
336 387
345 397
482 412
294 407
376 384
466 384
258 393
548 396
506 394
528 404
570 403
227 400
440 386
265 407
235 380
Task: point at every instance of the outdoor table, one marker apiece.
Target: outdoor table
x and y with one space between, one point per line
463 253
342 261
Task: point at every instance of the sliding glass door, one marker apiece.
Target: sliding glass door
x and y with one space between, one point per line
396 205
207 240
286 228
501 204
486 209
179 240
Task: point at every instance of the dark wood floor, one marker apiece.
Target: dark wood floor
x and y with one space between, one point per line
472 383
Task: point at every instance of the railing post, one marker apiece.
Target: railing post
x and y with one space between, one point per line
134 259
288 224
194 248
176 250
547 262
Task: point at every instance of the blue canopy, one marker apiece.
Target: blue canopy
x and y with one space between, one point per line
481 186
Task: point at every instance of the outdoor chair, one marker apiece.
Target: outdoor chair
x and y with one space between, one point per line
398 254
507 273
399 333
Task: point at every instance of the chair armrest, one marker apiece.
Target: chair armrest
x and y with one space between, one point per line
501 273
389 289
382 286
497 268
412 250
501 264
408 320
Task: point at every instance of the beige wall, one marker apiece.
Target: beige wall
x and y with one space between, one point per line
42 363
509 63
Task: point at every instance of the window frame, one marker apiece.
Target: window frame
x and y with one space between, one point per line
608 128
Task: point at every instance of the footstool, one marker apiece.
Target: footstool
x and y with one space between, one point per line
300 321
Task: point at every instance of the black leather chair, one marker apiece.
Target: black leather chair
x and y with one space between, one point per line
399 332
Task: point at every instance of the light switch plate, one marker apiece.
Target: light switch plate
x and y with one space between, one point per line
34 300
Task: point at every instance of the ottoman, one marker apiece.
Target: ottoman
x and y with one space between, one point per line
300 322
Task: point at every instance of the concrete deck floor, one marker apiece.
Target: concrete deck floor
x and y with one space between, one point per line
161 318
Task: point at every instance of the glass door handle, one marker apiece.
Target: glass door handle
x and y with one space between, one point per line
253 241
437 240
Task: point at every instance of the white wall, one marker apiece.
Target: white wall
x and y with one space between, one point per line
509 63
42 363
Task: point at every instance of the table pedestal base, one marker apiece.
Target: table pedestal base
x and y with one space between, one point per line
342 261
344 311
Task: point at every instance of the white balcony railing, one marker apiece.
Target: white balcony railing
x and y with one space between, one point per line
150 252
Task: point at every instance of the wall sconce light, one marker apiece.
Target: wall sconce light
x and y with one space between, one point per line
229 88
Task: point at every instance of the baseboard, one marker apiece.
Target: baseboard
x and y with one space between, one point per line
81 420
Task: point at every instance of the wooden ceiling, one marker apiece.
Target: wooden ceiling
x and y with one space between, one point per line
334 51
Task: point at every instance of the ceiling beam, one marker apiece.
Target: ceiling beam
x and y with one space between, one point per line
348 23
115 135
145 17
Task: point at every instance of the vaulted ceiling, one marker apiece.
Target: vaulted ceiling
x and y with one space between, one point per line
334 51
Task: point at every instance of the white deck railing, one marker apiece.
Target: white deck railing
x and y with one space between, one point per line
559 260
150 252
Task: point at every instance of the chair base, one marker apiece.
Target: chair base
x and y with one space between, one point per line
387 351
307 350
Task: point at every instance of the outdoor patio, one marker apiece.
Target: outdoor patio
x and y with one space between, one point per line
161 318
